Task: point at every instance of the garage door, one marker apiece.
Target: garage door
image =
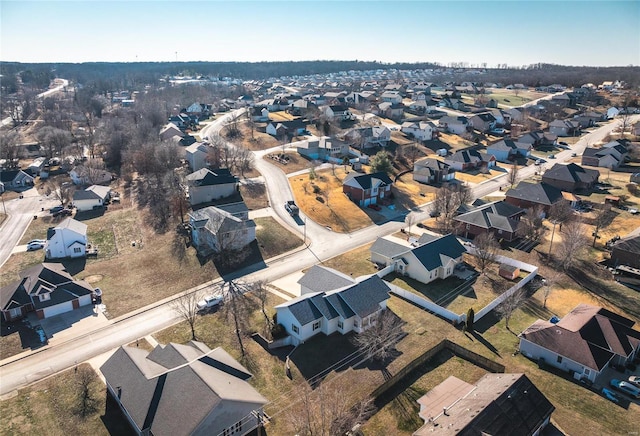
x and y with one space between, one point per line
58 309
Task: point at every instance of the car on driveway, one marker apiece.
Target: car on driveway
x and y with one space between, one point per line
209 302
635 380
610 395
36 244
626 387
56 209
63 212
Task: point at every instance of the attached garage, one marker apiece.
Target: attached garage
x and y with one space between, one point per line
57 309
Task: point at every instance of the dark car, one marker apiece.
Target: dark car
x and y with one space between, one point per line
56 209
63 212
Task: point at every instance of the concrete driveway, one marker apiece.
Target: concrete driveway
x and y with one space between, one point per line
72 324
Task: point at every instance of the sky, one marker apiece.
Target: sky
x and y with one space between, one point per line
595 33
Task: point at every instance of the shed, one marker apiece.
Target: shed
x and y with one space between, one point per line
610 199
509 271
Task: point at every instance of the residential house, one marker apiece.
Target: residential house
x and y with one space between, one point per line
366 189
612 112
470 159
457 125
610 155
452 103
502 117
435 258
571 177
324 148
530 195
353 307
67 239
499 218
320 278
483 122
584 342
181 121
626 251
537 138
421 130
197 154
46 289
564 127
432 171
207 185
286 128
259 114
83 175
506 150
219 228
180 390
563 100
389 110
94 197
515 114
14 180
302 107
422 103
368 137
391 97
338 112
169 131
498 404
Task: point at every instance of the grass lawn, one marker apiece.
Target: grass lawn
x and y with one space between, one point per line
477 176
322 199
50 407
254 195
273 238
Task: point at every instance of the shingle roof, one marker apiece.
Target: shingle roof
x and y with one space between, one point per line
364 297
588 335
571 173
629 243
541 193
430 254
495 215
175 400
206 177
388 248
322 279
365 181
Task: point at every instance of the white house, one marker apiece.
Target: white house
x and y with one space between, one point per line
612 112
354 307
584 342
169 131
91 198
457 125
82 175
196 155
434 257
206 185
422 130
67 239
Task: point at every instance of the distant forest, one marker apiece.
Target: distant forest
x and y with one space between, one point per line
110 76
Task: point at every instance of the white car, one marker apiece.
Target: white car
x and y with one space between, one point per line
36 244
209 301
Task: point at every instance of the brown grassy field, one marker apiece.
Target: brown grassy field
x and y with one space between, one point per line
295 162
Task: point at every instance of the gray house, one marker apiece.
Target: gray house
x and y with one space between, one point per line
225 227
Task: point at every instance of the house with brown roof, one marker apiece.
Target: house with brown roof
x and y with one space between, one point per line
584 342
571 177
499 217
185 390
529 194
626 251
470 159
497 404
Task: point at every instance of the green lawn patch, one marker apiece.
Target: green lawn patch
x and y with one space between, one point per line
274 239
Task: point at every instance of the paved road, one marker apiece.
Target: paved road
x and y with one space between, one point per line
325 244
20 213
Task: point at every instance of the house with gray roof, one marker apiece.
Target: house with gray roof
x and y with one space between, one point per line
470 159
499 217
14 179
46 289
206 185
626 251
432 171
529 194
185 390
571 177
610 155
433 258
320 278
352 307
215 229
507 149
584 342
93 197
66 240
366 189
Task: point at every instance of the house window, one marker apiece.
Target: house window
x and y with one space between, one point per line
374 191
316 325
294 328
44 297
587 371
559 359
76 250
355 323
340 325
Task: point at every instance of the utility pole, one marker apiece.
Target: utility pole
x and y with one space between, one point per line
553 232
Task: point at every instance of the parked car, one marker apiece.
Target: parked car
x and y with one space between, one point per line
634 380
209 302
562 143
551 156
610 395
56 209
63 212
626 387
573 155
633 210
35 245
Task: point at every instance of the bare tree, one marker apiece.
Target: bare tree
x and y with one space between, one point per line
412 152
548 284
447 201
60 189
186 306
326 411
512 176
379 340
510 305
603 219
408 220
486 249
574 242
561 212
54 140
261 292
238 306
530 226
10 147
232 129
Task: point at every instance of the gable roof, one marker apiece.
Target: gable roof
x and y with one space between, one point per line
571 173
73 225
469 156
217 220
630 243
588 335
367 181
496 215
430 254
541 193
172 389
206 177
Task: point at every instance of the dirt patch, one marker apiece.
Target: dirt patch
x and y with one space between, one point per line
93 278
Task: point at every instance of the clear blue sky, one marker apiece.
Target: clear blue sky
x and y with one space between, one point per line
600 33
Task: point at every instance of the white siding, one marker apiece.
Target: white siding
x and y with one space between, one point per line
536 352
88 204
58 309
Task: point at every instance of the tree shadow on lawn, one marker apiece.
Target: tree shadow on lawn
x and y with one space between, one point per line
483 341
